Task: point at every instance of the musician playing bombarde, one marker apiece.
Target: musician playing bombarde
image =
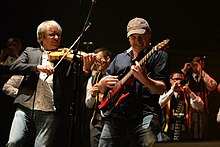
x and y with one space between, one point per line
201 84
136 120
176 103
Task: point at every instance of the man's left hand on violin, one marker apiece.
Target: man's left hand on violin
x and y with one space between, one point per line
88 61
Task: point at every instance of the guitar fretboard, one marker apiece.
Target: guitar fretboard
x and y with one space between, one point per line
141 62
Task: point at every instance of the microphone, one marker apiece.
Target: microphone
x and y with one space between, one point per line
183 82
204 57
88 45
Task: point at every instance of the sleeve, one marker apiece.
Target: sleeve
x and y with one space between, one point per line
165 98
218 116
196 102
210 83
159 63
27 62
11 86
90 100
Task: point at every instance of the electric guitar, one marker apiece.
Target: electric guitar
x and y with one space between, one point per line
115 96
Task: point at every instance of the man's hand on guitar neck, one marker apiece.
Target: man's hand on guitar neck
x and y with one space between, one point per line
107 82
139 71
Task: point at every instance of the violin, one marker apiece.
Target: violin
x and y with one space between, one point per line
57 55
63 53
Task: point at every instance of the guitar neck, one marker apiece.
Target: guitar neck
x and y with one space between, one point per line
141 62
125 78
144 59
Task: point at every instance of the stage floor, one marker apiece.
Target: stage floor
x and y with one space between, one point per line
214 143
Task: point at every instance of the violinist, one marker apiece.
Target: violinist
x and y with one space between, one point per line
37 99
201 84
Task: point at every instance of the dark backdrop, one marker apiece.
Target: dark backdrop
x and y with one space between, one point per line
192 26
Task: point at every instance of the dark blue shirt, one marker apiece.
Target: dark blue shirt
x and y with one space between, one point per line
141 100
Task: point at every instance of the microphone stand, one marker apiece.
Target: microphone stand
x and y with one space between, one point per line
86 24
76 78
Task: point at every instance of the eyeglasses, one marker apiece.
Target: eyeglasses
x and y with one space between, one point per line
177 79
54 34
100 61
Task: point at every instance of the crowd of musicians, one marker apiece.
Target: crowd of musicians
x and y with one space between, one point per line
134 98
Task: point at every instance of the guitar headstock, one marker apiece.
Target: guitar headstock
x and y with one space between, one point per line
163 45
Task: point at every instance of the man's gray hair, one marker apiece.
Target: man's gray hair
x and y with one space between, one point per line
42 28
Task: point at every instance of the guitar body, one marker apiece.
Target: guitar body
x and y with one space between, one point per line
114 97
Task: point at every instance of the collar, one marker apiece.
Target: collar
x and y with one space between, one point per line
175 94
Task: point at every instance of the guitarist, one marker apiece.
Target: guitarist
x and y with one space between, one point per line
137 118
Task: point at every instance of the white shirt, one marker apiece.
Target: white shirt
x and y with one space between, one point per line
195 101
218 116
90 100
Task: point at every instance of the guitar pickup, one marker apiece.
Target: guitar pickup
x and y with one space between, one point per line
109 95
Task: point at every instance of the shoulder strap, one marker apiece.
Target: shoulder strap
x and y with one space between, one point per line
96 77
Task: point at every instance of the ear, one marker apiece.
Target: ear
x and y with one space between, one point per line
108 59
170 80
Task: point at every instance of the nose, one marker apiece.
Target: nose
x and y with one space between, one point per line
138 39
56 36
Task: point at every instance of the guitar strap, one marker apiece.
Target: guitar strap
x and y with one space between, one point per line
178 121
177 125
95 79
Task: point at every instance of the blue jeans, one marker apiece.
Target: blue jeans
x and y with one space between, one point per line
95 133
144 133
30 128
